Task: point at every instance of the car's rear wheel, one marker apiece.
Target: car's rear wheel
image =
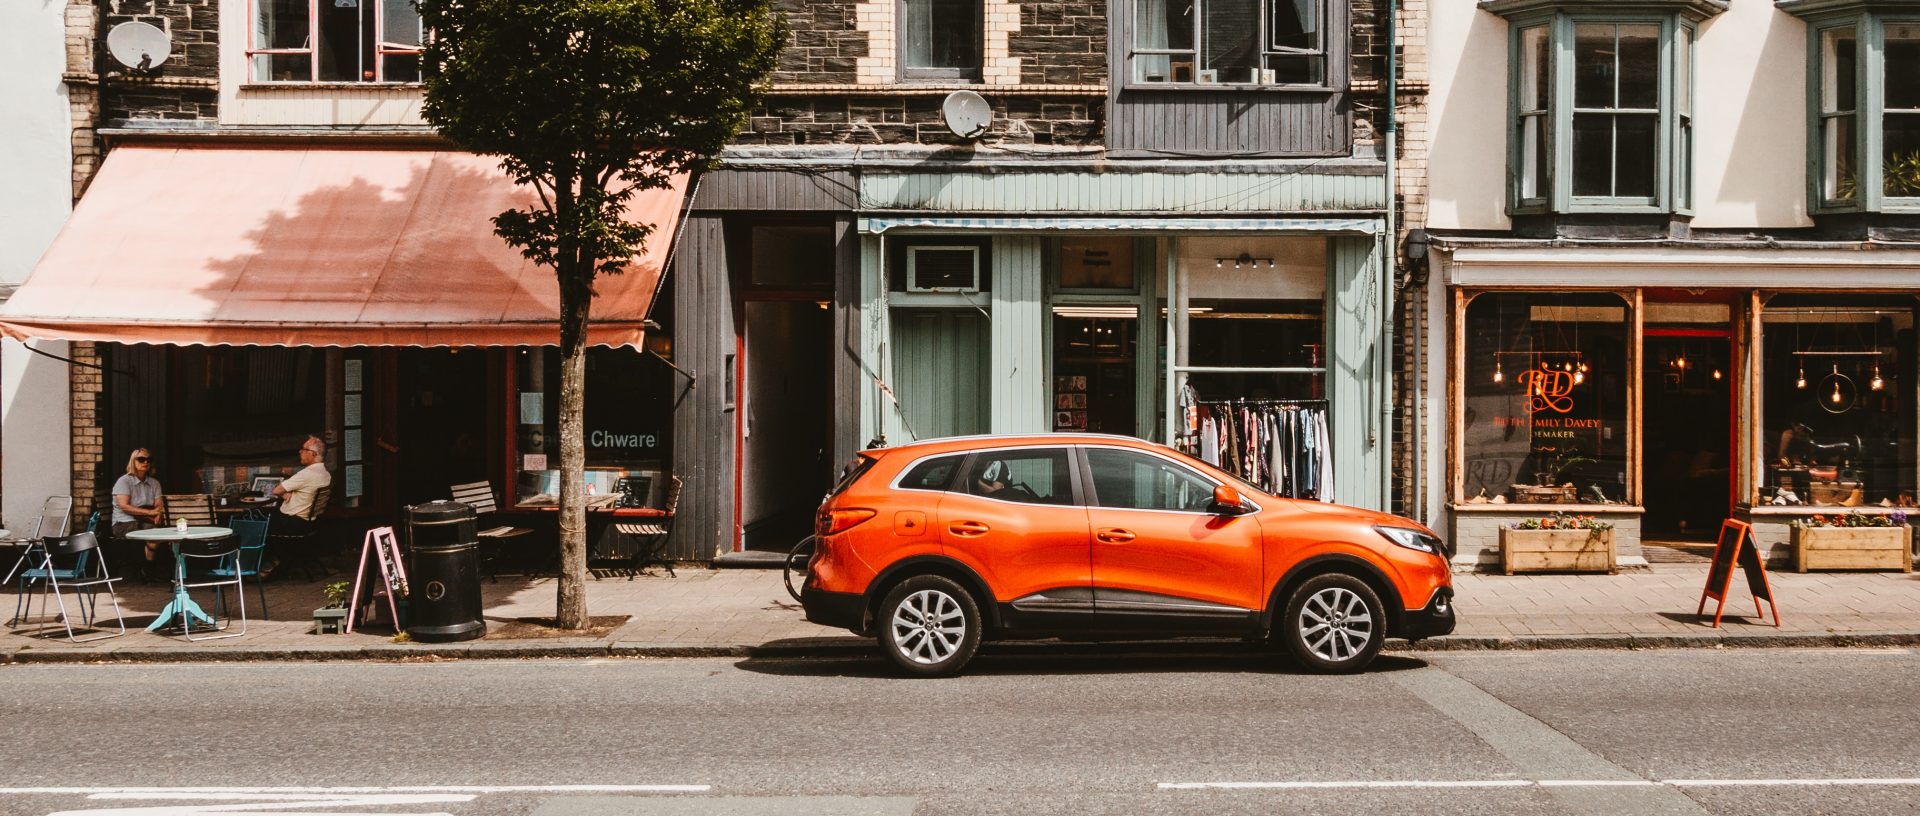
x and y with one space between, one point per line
1334 624
929 626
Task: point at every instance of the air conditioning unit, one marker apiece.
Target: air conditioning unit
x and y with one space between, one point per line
943 269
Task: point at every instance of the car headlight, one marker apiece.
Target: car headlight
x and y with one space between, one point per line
1413 539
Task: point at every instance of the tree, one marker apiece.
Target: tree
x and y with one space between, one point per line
591 102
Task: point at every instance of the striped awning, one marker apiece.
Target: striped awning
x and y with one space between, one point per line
1350 226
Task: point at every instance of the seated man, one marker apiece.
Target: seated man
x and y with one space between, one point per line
298 492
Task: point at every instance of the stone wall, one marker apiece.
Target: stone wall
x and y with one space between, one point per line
1061 43
824 45
1043 119
186 87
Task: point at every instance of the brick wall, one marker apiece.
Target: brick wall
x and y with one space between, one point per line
823 44
915 119
1413 405
1061 43
89 437
185 88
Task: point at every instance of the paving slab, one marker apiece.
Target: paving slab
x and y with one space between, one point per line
707 612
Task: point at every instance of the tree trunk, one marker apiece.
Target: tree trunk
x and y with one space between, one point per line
576 298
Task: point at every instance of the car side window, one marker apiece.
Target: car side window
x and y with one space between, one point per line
933 474
1131 480
1030 476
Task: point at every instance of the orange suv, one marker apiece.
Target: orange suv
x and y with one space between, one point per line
933 546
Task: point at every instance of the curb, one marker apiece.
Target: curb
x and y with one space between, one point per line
858 647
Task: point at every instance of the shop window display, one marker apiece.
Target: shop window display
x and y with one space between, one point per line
626 430
1837 397
1544 400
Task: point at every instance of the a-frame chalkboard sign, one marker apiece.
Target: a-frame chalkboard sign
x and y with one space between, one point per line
1736 547
383 549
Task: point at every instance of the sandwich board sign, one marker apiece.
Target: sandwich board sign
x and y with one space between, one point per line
1735 547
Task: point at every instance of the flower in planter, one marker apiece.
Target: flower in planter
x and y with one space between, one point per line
1563 521
1895 519
336 593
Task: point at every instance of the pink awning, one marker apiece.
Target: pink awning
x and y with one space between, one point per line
313 246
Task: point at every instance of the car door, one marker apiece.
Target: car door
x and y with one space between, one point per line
1015 517
1161 557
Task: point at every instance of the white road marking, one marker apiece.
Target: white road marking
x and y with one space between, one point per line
1542 783
87 791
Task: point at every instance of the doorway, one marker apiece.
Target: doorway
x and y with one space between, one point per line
443 431
1687 434
785 397
1094 369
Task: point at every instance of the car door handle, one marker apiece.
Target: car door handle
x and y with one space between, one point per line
967 528
1115 535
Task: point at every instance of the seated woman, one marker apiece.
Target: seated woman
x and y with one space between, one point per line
137 501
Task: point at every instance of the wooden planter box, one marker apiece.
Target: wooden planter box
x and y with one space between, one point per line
1852 548
1556 551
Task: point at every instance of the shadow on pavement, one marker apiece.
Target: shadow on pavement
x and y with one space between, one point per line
1029 659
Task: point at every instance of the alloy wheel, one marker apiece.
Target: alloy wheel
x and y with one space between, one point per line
928 627
1336 624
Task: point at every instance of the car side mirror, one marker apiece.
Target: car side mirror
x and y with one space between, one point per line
1227 502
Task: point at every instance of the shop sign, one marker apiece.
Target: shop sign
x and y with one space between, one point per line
1548 389
612 439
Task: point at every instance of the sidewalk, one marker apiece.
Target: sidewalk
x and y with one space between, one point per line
747 612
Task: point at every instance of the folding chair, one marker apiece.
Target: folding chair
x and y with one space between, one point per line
211 554
252 535
653 534
88 573
479 496
55 513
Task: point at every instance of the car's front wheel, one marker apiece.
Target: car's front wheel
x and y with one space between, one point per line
929 626
1334 624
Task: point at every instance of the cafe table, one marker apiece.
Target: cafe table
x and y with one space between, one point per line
182 603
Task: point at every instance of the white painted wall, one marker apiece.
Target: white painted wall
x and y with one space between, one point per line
1749 125
34 453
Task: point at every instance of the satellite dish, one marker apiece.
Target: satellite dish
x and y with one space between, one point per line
139 46
966 113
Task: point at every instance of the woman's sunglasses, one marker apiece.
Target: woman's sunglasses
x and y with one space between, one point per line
140 459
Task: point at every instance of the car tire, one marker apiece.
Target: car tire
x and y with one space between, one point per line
1334 624
929 626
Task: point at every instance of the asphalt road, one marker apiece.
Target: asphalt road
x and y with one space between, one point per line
1573 732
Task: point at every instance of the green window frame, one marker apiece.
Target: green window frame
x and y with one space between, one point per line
1593 136
1863 128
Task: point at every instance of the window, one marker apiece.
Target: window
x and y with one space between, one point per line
1543 399
626 428
1034 476
940 39
1130 480
1263 42
1836 400
1601 107
1864 118
933 474
335 41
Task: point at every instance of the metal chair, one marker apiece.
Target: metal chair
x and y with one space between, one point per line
653 534
246 562
36 551
88 574
55 514
479 496
211 554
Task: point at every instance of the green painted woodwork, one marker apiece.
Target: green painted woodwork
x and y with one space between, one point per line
943 368
1870 21
1355 391
1021 400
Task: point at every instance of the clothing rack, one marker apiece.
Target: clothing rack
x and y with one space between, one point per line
1280 445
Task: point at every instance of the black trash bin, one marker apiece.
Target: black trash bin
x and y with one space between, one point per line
443 602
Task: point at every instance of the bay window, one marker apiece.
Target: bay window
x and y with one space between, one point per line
1864 105
335 41
1205 42
1601 106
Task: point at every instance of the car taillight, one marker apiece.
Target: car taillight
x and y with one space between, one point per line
834 521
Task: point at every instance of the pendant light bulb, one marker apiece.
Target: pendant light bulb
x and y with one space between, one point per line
1801 383
1498 375
1836 392
1876 383
1716 373
1579 377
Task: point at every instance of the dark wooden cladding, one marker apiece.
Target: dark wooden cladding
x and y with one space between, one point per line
703 424
137 415
847 376
1249 123
776 189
